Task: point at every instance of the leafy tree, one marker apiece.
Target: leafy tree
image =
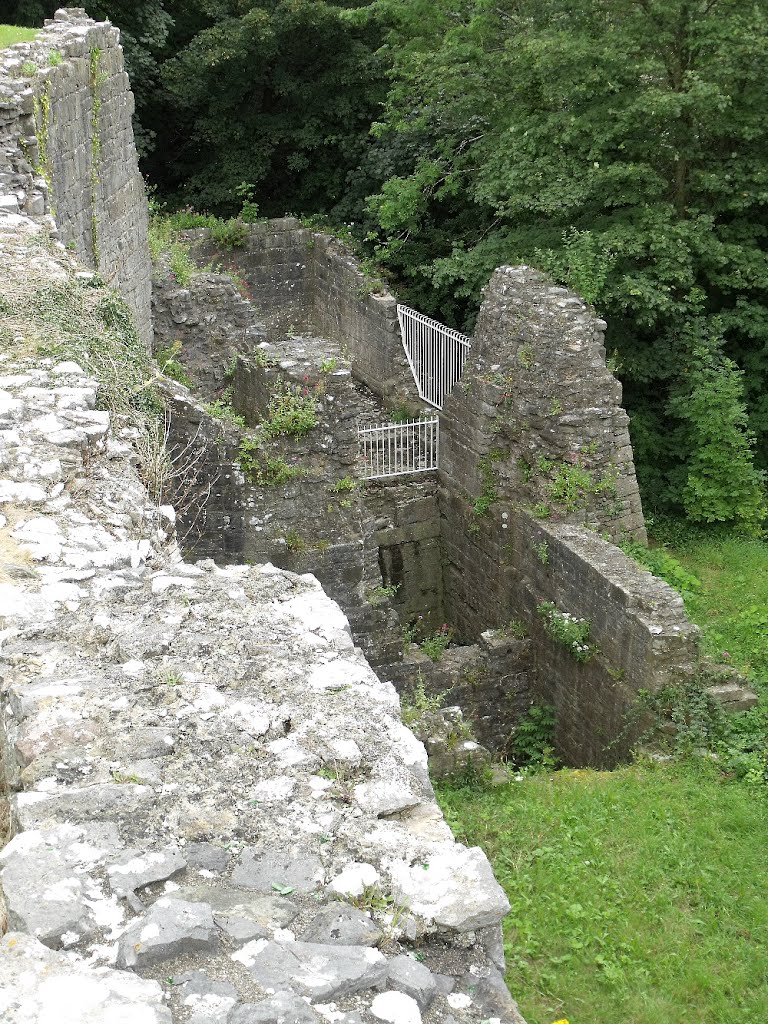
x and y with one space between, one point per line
626 138
721 482
279 94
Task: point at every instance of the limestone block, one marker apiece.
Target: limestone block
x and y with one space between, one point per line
38 986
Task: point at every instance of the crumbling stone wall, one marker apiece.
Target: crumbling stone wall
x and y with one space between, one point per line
535 464
67 150
211 321
298 277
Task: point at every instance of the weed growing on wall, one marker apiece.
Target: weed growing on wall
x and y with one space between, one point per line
85 322
261 468
434 646
221 409
170 365
97 77
343 486
490 481
682 719
291 411
41 113
164 247
416 703
377 595
569 630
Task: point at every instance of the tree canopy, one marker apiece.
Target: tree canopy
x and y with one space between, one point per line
620 145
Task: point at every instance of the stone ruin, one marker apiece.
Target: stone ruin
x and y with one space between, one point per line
216 814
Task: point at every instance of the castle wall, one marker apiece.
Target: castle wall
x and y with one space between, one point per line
536 470
67 150
205 774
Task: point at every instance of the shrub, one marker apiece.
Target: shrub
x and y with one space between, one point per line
568 630
722 483
291 410
532 744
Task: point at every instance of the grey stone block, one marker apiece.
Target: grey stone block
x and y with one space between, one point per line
262 870
319 971
341 924
170 928
404 974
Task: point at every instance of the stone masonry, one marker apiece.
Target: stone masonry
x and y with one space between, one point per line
217 814
67 150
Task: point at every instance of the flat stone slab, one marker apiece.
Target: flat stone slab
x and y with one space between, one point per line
342 925
170 928
263 870
39 986
438 889
312 969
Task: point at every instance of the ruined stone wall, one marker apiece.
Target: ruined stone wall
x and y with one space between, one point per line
67 149
300 279
535 463
639 638
211 322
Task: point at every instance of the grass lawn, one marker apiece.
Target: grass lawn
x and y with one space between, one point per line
639 896
732 605
10 34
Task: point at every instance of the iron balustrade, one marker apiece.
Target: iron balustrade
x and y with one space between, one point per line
395 449
436 354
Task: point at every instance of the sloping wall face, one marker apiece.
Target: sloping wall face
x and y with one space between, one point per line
535 465
68 151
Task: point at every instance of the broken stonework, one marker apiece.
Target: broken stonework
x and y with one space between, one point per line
169 929
38 985
195 754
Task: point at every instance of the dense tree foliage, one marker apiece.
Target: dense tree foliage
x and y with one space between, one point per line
278 95
620 145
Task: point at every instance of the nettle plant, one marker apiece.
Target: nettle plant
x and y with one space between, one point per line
568 630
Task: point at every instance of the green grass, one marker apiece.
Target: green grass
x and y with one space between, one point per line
10 34
638 896
732 605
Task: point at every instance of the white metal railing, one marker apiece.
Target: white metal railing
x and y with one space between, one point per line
436 354
393 449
